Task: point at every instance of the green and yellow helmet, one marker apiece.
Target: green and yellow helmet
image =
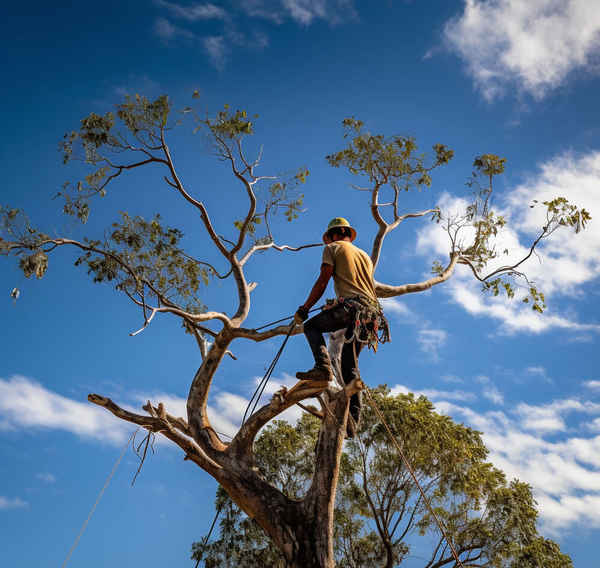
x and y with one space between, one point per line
339 222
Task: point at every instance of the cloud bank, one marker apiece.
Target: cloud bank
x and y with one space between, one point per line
533 45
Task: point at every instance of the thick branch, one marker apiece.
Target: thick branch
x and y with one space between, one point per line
241 445
387 291
164 426
262 335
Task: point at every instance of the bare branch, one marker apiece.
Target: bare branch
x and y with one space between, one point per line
272 245
387 291
198 204
169 306
262 335
508 268
146 323
161 425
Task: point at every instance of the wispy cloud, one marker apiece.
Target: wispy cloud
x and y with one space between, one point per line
533 45
14 503
237 27
435 394
490 391
303 12
167 31
431 341
46 477
399 309
565 263
194 12
594 385
216 49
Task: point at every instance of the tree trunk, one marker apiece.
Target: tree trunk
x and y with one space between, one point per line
301 529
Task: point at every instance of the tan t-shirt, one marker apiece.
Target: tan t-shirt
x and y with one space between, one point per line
352 270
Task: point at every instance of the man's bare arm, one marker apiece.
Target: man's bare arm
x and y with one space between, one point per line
319 286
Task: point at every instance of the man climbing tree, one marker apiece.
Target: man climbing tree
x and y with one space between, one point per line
356 311
147 262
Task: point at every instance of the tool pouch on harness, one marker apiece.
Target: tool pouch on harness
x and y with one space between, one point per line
370 325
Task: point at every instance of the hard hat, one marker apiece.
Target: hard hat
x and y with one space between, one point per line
339 222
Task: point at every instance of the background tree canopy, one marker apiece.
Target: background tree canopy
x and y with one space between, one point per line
379 511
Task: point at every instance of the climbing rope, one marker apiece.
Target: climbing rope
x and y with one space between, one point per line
205 540
110 476
286 318
263 382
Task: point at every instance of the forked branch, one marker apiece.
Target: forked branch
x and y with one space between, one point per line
172 428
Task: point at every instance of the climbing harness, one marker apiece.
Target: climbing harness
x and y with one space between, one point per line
110 476
370 325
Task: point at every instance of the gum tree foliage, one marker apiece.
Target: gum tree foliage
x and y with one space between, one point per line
145 260
379 510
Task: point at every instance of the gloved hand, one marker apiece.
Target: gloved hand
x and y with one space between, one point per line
301 314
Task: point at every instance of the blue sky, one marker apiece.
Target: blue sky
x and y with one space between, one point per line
518 79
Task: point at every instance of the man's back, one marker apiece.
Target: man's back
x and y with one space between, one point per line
353 270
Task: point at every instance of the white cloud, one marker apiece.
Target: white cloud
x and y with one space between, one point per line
565 263
194 12
15 503
167 31
493 394
594 425
435 394
538 371
431 341
594 385
533 45
46 477
451 379
303 12
550 417
398 309
216 49
27 404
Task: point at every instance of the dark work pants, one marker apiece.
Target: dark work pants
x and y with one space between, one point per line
329 320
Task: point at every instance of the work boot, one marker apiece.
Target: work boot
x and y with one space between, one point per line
315 374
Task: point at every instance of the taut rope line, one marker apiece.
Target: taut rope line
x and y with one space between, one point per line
85 523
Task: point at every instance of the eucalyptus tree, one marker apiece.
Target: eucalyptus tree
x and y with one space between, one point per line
146 261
